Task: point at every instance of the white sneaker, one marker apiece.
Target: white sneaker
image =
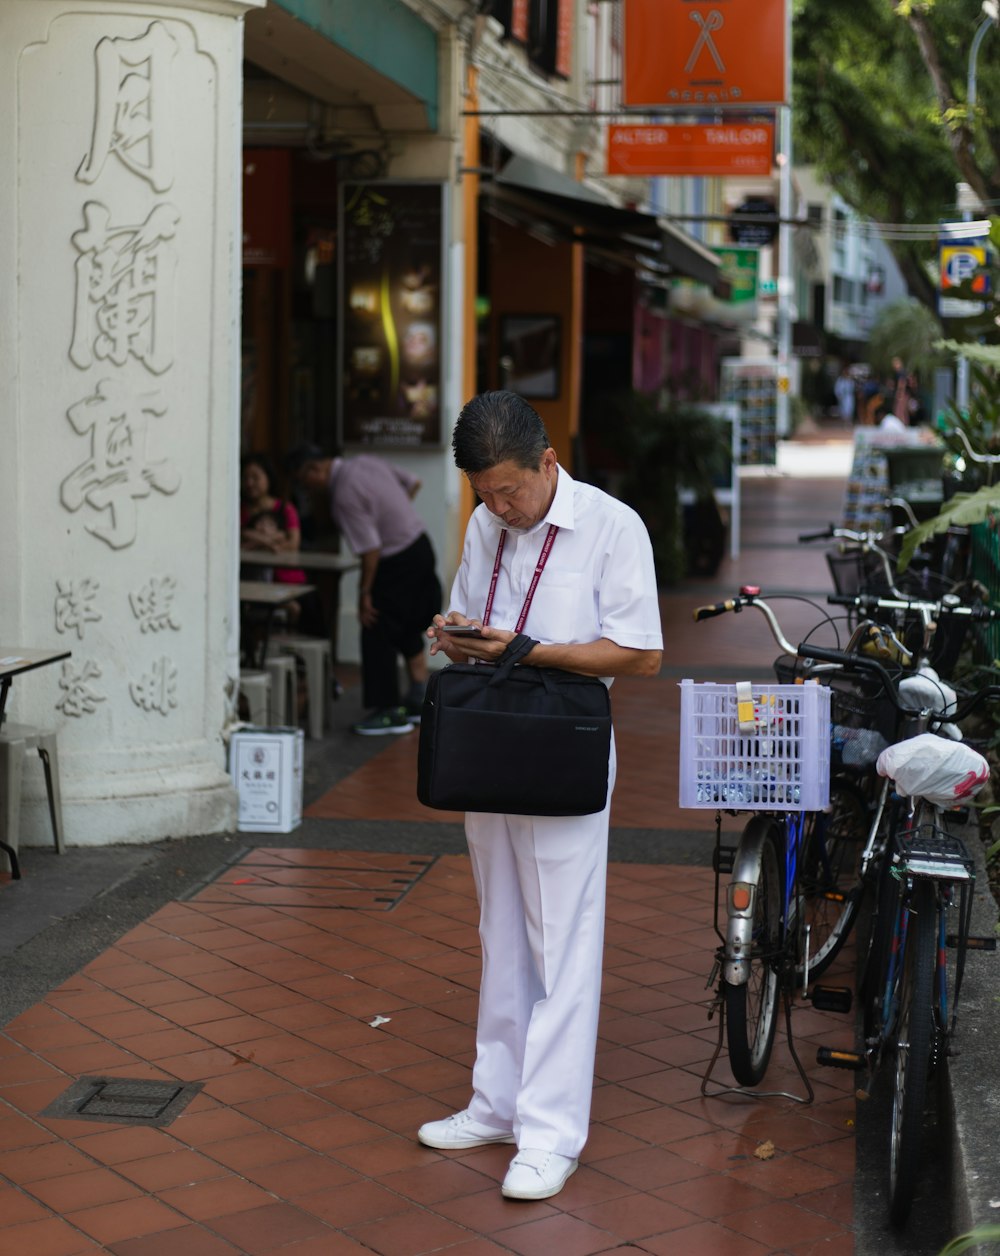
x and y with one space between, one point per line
459 1131
537 1174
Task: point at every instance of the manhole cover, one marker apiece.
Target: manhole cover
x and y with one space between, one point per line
124 1100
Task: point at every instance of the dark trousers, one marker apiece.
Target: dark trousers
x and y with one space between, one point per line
407 595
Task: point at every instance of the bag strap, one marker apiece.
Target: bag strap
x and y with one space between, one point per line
516 649
543 558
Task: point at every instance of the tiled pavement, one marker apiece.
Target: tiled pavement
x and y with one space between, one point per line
325 1001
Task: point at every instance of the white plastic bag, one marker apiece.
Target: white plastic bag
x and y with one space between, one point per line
925 690
944 772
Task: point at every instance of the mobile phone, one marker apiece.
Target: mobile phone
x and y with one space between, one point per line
462 630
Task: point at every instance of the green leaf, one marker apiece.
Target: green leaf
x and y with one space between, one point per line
965 1242
988 355
963 510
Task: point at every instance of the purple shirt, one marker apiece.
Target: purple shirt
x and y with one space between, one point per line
370 504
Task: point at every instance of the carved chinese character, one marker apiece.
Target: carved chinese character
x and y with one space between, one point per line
79 696
132 112
75 605
156 690
124 289
119 470
153 605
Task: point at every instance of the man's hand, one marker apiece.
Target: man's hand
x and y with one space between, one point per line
486 648
367 614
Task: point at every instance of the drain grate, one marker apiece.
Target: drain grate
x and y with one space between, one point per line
341 880
124 1100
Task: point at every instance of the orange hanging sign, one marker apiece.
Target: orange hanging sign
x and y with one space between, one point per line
683 52
691 150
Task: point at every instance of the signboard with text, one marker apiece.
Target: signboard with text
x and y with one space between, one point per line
681 52
962 260
691 150
390 345
739 267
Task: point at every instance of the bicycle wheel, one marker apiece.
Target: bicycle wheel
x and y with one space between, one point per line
830 874
751 1007
878 1002
914 1047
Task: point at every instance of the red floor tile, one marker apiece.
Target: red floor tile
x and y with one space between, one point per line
303 1134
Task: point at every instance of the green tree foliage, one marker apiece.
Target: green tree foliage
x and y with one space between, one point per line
909 329
880 107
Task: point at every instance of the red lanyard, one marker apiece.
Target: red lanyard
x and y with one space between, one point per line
543 558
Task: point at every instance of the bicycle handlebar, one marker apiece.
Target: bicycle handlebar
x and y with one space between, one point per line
869 602
975 455
862 663
826 535
717 608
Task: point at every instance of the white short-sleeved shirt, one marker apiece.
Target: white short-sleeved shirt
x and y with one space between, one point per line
599 580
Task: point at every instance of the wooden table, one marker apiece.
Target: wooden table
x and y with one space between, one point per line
324 566
306 560
268 596
14 661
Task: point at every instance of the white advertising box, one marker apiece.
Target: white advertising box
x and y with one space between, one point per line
266 766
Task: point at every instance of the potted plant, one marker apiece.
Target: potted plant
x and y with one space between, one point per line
660 447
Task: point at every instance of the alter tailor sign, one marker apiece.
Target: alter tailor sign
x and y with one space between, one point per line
724 52
744 149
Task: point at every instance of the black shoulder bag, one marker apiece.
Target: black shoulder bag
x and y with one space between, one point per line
514 739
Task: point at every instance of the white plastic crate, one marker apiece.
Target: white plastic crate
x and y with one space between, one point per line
783 765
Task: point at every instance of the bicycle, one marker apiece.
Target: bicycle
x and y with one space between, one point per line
798 879
792 898
910 1007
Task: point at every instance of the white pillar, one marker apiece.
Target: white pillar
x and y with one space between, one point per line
119 369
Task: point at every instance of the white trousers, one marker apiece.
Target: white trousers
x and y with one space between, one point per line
541 882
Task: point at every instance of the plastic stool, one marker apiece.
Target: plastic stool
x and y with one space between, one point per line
15 741
317 658
256 688
284 688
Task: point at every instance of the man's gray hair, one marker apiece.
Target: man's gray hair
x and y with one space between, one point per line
498 427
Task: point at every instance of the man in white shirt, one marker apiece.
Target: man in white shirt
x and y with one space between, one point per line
541 879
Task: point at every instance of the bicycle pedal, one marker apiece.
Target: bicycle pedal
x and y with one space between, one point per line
723 858
833 1058
832 998
973 943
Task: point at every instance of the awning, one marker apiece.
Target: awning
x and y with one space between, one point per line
537 193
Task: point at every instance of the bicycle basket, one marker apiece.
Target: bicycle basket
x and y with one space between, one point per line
783 765
863 722
857 571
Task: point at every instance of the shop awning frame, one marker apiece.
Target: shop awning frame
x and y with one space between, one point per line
534 192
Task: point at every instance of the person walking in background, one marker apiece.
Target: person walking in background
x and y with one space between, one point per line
904 396
582 563
845 390
398 593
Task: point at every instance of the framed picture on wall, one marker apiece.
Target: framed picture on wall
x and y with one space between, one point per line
390 330
529 354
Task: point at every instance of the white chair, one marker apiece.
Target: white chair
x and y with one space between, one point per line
284 688
15 742
317 658
256 688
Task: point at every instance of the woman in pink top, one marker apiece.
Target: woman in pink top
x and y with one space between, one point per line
267 522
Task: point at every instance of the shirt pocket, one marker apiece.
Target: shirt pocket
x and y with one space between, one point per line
556 609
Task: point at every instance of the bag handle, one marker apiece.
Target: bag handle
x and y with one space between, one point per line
516 649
